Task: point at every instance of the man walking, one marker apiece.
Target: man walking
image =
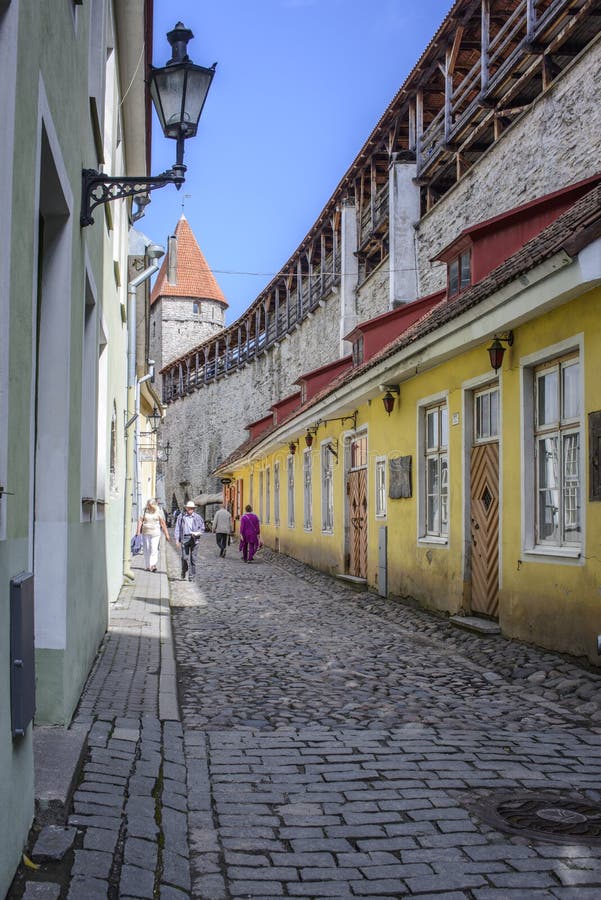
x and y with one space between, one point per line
188 528
222 526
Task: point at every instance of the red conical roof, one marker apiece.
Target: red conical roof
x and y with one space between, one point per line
193 275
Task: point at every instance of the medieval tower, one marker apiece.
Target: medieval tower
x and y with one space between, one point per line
187 305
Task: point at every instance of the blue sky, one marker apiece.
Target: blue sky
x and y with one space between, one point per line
299 86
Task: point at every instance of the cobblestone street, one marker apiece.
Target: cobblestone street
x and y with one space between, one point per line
331 744
354 746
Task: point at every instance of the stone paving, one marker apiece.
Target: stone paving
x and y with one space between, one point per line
127 832
351 744
332 744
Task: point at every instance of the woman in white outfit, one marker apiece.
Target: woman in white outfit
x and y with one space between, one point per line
150 525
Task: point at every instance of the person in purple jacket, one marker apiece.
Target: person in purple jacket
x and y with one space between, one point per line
250 530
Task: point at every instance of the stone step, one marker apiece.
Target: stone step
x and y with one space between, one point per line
357 584
58 755
476 624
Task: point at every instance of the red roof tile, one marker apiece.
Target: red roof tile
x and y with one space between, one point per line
193 275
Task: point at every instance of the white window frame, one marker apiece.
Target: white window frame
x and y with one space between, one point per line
267 495
307 490
546 551
290 479
380 486
423 407
261 482
276 493
486 391
327 489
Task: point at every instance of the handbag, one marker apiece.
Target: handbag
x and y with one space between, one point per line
137 544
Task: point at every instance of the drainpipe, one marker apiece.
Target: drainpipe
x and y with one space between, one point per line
154 252
137 488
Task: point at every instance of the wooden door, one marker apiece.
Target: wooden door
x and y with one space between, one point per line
357 497
485 528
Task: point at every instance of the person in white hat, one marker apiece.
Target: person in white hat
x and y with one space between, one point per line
188 528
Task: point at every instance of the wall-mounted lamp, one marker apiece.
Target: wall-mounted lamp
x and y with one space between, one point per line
164 454
311 432
496 351
178 91
292 447
391 390
154 420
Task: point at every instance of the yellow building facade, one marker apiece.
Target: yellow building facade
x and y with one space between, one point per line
478 493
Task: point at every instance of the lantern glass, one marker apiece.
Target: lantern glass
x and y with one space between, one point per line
496 352
179 92
388 401
308 439
154 419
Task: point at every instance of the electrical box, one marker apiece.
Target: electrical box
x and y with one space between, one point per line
22 653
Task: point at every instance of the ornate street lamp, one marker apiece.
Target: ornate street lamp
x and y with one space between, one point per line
388 398
178 91
496 351
154 420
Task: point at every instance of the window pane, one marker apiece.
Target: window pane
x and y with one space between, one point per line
433 511
571 488
432 429
482 416
548 406
466 276
380 487
444 495
453 277
444 426
548 493
570 375
494 413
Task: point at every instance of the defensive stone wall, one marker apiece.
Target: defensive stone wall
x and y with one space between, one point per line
373 294
206 425
553 144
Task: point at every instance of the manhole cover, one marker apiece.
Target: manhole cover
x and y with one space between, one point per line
549 817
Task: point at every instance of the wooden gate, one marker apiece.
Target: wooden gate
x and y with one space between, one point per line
485 528
357 498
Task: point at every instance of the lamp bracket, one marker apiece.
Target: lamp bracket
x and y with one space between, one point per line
389 388
505 337
98 188
351 418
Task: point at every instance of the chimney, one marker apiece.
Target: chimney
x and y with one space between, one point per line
172 260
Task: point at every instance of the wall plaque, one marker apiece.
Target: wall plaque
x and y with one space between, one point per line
400 477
